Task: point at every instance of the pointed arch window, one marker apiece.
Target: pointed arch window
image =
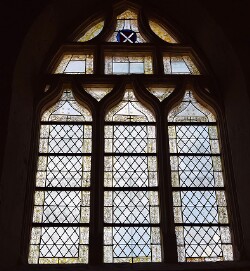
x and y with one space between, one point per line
148 184
131 200
200 207
60 230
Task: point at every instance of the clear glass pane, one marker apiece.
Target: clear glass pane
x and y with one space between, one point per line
128 65
179 65
53 245
75 64
206 243
132 244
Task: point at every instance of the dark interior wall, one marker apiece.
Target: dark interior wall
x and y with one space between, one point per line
33 30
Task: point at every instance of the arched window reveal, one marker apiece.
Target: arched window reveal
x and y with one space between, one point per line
200 208
131 201
60 230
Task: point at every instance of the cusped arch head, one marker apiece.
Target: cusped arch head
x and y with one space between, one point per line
129 108
194 104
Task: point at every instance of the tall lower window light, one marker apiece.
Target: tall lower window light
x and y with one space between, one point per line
60 229
131 201
200 207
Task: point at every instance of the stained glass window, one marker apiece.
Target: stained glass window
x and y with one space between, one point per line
179 65
131 200
60 229
200 206
131 165
92 32
127 30
75 64
161 32
128 64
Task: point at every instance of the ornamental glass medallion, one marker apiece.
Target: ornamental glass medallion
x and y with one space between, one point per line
127 29
126 35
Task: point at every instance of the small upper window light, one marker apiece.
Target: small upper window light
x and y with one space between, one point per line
161 32
126 30
179 65
92 32
75 64
128 65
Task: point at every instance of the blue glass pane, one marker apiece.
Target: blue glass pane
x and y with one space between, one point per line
126 35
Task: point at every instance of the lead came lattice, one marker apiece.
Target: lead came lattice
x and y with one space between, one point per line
61 200
198 189
130 163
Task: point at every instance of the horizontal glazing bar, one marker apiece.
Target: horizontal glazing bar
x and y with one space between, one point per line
49 188
66 122
129 154
201 224
202 188
132 224
60 225
195 154
130 123
192 123
132 188
64 154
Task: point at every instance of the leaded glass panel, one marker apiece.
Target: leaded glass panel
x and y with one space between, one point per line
131 200
130 110
200 208
98 92
62 196
179 65
92 32
161 32
128 65
161 93
75 64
